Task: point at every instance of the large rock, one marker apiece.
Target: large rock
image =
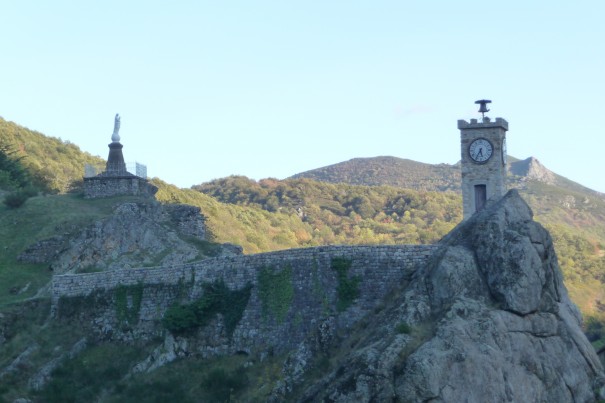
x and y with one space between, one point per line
137 234
489 320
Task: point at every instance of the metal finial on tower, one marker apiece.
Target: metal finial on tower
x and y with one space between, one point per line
483 106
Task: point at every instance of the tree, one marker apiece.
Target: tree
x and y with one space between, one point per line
12 173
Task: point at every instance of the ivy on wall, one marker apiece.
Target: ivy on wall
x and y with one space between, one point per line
128 303
348 288
318 290
276 292
217 298
71 306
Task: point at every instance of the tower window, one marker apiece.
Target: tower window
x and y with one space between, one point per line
480 197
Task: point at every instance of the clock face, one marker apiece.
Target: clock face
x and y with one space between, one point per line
480 150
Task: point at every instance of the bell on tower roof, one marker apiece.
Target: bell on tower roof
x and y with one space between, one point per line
483 106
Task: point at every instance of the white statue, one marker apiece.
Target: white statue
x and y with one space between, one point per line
115 137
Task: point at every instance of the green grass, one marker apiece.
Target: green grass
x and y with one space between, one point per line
98 374
28 328
82 378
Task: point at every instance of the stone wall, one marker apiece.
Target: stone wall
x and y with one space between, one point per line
314 302
44 251
108 186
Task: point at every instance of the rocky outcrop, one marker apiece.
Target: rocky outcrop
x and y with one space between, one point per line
531 169
137 234
489 320
144 233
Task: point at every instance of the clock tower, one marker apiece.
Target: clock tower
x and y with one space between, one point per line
483 163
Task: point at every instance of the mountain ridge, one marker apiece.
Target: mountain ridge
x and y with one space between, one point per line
411 174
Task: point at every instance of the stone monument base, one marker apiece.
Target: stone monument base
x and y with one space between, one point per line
103 186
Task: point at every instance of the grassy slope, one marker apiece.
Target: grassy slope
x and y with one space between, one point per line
40 218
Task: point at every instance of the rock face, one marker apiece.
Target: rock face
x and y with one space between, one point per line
137 234
489 320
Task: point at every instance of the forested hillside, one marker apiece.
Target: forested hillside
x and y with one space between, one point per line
53 165
339 213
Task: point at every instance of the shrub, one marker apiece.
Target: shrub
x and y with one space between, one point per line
180 318
29 191
221 385
16 199
217 298
5 181
403 328
594 329
167 389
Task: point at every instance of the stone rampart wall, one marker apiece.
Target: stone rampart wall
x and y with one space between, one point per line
373 262
315 283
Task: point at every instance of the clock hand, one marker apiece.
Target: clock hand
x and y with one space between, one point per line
480 153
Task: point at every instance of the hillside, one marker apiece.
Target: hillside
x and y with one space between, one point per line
56 166
339 213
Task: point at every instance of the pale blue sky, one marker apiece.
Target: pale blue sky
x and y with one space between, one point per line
207 89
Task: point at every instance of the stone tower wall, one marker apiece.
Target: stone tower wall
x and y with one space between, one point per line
491 173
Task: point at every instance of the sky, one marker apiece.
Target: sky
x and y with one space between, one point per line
208 89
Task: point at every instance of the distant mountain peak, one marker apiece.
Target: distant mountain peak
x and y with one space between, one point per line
532 169
388 170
